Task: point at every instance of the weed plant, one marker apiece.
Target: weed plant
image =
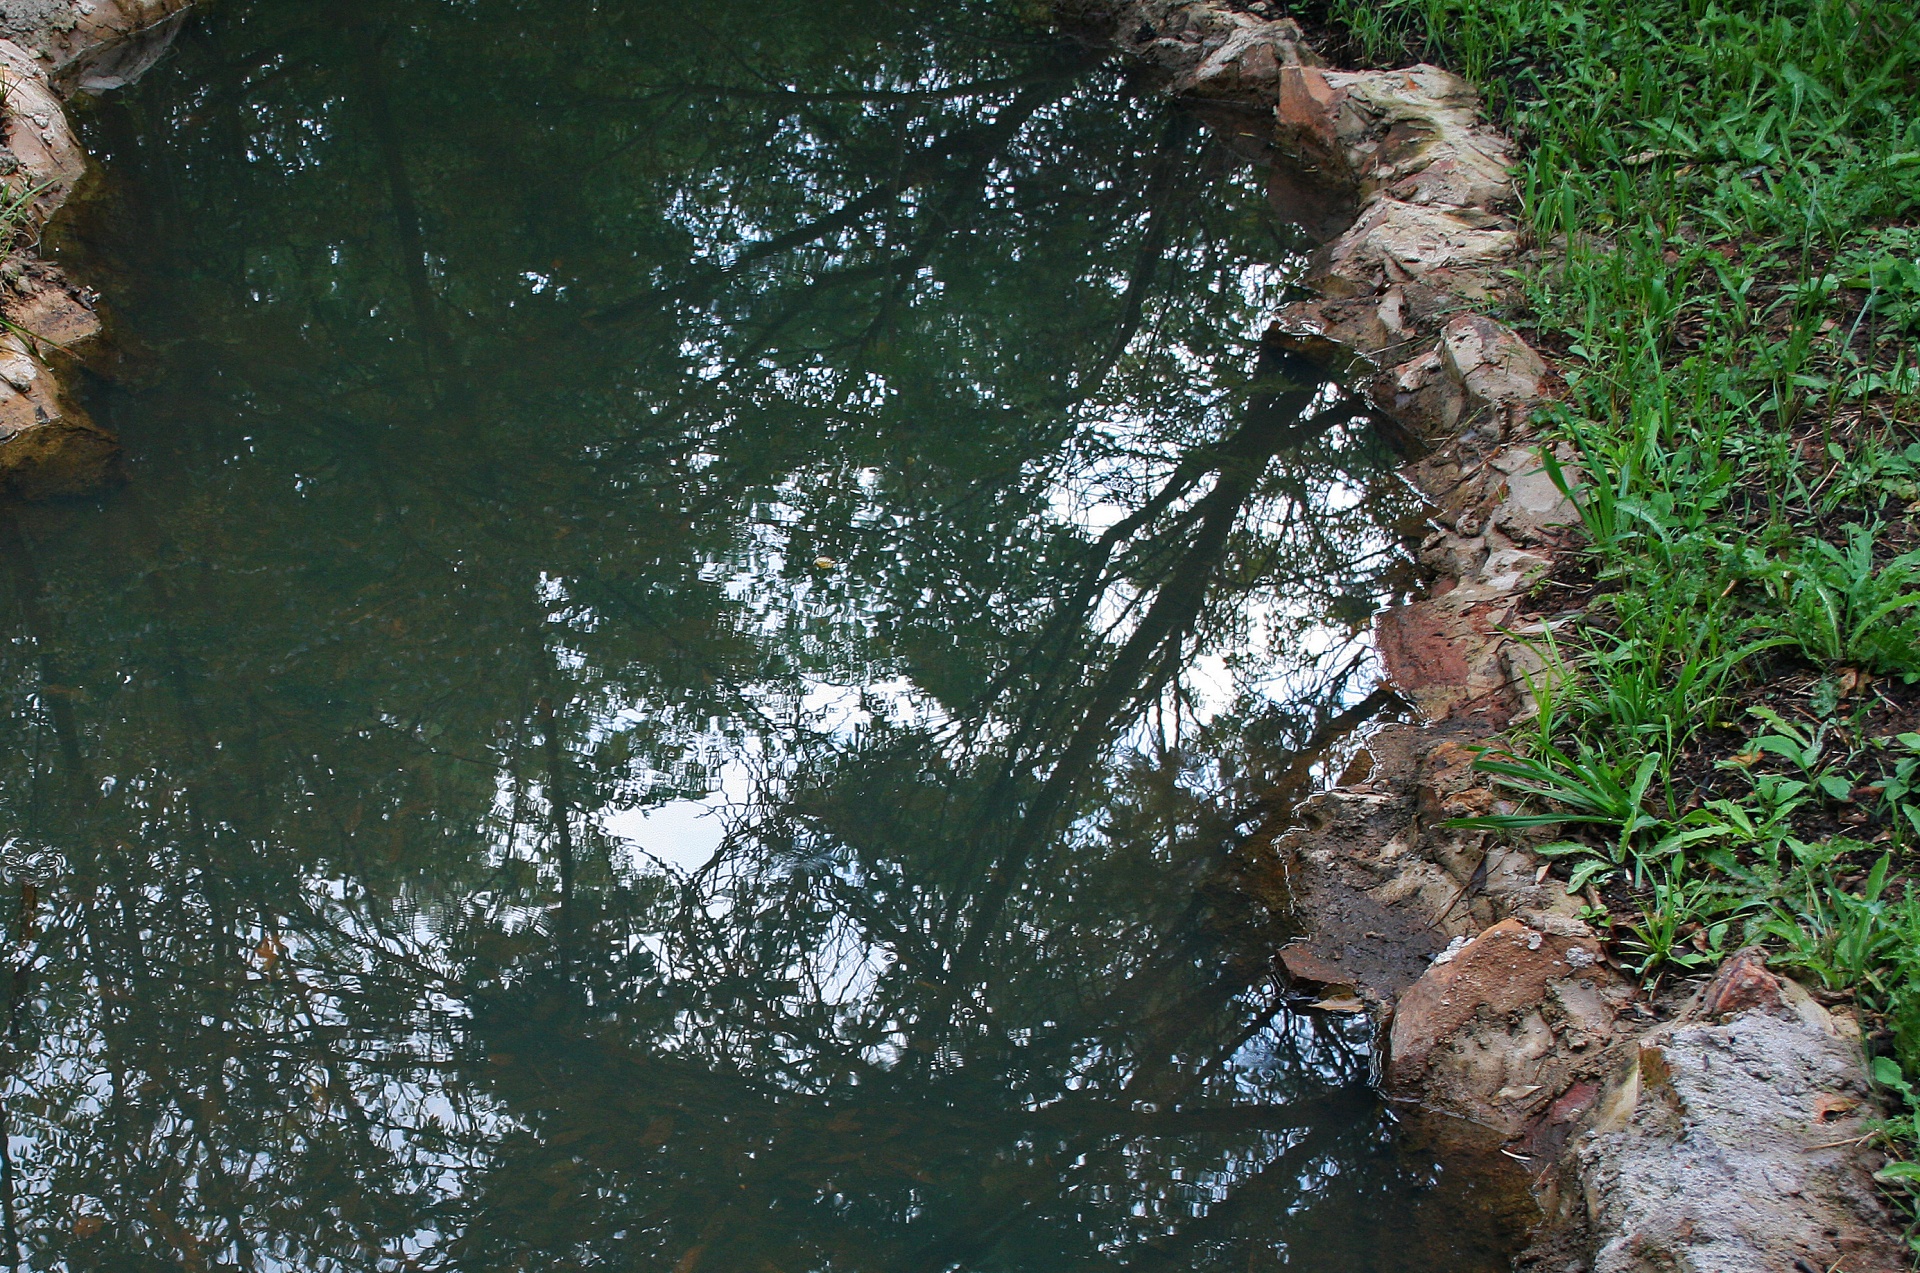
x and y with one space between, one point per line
1726 195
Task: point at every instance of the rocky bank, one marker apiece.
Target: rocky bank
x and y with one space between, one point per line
1713 1133
51 50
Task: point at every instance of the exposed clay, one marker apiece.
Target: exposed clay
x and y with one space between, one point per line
51 48
1728 1139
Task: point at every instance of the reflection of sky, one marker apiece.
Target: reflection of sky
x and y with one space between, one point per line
1121 445
685 835
682 835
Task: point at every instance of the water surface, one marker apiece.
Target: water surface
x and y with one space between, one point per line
709 604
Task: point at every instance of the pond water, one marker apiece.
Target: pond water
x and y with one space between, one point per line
712 609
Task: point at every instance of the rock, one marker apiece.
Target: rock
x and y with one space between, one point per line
1531 679
1728 1147
1208 51
1422 395
1351 869
1731 1139
1427 658
1447 777
1478 370
1479 1036
1308 112
1512 570
1462 249
1247 63
1414 135
1384 887
1742 985
37 133
119 41
18 367
46 307
1456 651
1550 1131
1492 364
1454 555
48 447
1531 508
64 453
1310 969
1445 654
1720 1143
1389 323
1366 323
93 45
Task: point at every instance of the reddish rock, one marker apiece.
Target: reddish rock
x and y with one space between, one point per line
1548 1135
1310 969
1419 652
1720 1146
51 312
1572 1105
97 45
47 446
1248 61
1499 1031
1742 983
1449 786
1445 653
1306 114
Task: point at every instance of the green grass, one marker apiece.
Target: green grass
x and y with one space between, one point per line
1726 198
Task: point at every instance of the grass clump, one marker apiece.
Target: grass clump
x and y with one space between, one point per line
1726 197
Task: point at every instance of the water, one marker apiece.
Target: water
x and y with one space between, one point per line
711 604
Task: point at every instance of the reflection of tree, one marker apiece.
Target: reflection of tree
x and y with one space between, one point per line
326 712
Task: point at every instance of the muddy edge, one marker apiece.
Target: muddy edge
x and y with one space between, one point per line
1712 1131
51 50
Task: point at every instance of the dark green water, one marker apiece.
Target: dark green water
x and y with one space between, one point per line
708 599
